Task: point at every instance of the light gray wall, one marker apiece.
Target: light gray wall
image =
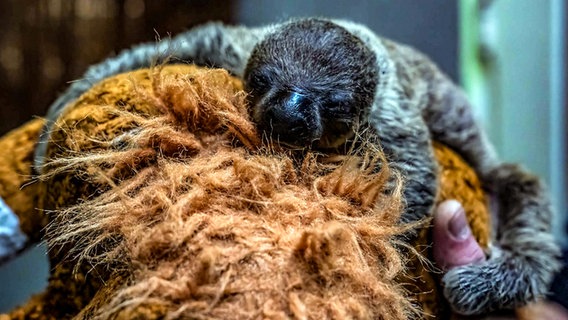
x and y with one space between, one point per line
22 277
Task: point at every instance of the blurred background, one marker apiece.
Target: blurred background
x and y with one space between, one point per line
510 56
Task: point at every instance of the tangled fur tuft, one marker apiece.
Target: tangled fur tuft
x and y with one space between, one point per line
189 215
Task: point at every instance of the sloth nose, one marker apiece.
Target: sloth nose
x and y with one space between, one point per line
293 119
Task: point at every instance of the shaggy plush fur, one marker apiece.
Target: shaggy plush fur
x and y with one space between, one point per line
164 202
202 220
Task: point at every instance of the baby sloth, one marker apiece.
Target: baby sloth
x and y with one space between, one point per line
318 83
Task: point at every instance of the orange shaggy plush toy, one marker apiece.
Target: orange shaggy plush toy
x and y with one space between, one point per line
161 201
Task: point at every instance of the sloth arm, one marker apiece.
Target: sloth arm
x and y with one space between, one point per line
443 106
212 44
521 265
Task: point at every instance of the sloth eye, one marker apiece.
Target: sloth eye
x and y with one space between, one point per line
343 108
339 104
259 82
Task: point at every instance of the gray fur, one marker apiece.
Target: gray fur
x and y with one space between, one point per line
414 103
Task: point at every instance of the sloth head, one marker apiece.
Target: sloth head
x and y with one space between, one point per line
309 82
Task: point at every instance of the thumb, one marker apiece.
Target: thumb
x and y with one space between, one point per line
454 244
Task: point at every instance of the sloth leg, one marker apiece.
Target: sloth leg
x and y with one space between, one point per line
522 263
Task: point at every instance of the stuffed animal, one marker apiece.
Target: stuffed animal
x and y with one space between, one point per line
160 200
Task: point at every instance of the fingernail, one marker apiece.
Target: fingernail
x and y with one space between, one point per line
458 226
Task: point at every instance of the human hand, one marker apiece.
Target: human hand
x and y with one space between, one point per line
454 244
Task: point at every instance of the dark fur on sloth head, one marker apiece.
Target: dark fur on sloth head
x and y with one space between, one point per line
309 82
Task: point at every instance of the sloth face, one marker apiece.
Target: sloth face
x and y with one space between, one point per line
308 83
